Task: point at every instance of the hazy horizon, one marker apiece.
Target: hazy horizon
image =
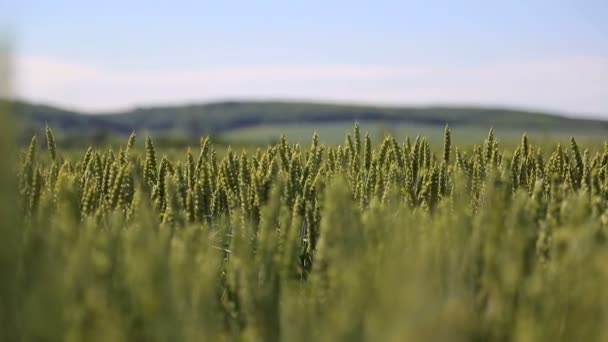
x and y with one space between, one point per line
534 55
185 103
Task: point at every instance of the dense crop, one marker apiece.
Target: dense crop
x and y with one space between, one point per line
363 241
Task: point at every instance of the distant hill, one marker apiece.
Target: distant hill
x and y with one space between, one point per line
229 117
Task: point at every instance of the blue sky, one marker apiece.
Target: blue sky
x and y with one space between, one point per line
104 55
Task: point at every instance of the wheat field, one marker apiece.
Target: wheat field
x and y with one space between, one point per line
364 241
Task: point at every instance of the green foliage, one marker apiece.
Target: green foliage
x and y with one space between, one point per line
354 242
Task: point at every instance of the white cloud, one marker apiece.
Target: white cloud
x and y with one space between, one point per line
574 84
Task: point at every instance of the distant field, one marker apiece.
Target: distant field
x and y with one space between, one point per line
333 133
264 122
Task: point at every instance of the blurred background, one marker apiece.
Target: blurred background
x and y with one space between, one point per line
248 71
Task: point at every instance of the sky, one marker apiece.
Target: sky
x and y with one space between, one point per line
113 55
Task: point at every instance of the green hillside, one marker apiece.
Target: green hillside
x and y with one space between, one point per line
265 121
